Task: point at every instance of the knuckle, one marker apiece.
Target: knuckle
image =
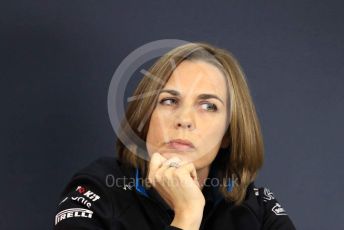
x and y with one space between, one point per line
191 165
175 173
156 154
153 157
166 174
156 157
157 177
178 173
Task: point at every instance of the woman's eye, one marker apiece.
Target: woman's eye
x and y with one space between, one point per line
168 101
171 101
209 107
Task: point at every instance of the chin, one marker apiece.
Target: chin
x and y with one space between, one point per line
182 155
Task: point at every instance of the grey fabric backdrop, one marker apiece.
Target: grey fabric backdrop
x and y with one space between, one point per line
57 59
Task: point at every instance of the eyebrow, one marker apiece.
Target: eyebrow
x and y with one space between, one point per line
201 96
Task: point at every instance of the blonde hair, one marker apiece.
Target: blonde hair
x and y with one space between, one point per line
245 151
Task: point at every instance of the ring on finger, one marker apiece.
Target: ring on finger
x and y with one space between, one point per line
173 164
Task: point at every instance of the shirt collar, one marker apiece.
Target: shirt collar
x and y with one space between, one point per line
138 186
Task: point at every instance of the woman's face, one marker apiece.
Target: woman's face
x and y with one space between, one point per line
192 107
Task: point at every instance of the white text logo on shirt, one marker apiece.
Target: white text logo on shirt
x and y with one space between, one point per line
87 193
278 210
73 212
82 200
268 195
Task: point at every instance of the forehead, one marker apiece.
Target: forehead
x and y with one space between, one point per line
197 77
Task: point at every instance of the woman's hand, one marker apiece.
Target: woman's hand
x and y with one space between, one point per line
179 188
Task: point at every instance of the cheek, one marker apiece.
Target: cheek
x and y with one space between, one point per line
213 129
204 160
156 129
152 132
211 135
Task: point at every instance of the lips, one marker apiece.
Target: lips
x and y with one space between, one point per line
180 144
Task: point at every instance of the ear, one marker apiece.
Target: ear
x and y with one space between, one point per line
225 141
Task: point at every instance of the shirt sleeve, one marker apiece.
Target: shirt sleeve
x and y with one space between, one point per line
85 204
275 216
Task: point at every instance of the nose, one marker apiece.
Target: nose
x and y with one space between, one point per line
184 120
184 125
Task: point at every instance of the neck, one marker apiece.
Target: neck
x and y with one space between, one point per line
202 175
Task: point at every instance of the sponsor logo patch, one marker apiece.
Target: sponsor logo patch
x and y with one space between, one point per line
278 210
256 191
82 200
268 195
87 193
73 212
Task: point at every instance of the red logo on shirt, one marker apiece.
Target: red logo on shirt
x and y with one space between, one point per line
87 193
81 189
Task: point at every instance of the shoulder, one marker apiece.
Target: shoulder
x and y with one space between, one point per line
263 202
99 174
90 197
101 167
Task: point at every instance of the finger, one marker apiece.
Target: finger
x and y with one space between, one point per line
173 159
166 164
184 172
155 163
164 173
189 169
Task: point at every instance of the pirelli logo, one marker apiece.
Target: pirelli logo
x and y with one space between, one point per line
73 212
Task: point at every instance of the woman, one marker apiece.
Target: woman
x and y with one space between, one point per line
203 150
